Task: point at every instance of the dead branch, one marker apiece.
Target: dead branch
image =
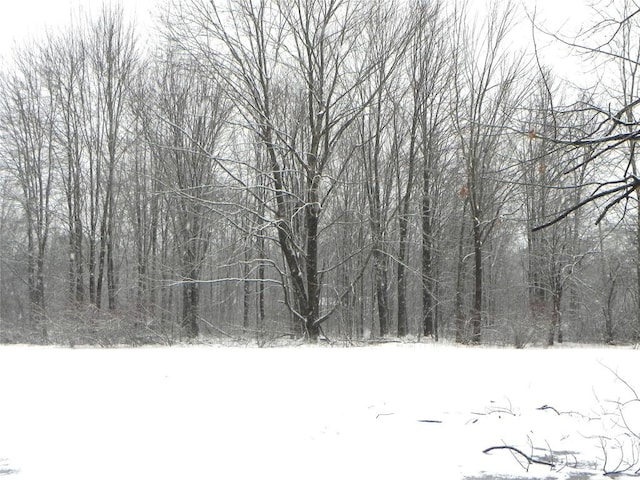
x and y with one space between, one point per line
567 412
622 380
530 460
548 407
629 185
384 415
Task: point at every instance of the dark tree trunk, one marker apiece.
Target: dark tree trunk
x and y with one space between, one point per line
101 262
35 285
476 313
461 336
246 293
76 285
380 278
94 200
312 216
636 330
111 273
78 259
313 331
402 279
427 264
556 327
403 223
260 310
190 300
93 287
297 301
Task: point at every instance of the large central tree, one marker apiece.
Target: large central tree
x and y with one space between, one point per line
292 69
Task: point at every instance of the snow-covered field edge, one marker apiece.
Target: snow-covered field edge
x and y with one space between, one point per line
394 410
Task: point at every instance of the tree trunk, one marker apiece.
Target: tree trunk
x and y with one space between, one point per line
92 260
190 300
299 302
555 326
636 330
427 264
312 216
246 292
380 279
101 260
260 312
111 274
403 223
461 336
476 313
401 278
36 285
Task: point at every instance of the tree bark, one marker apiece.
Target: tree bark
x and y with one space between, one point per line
190 307
428 284
476 312
461 335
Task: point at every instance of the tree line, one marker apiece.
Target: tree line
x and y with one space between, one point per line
354 169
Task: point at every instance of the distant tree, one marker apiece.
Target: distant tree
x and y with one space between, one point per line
540 179
430 83
608 140
112 57
485 87
377 150
185 121
28 103
66 66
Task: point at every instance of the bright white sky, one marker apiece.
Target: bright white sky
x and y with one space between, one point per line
23 19
20 19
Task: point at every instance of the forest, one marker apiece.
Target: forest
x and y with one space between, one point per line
340 170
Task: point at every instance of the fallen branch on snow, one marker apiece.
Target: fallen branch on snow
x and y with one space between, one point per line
528 458
570 412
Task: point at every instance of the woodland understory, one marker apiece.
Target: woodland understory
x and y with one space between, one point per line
350 170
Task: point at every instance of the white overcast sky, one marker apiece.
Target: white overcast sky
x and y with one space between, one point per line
21 19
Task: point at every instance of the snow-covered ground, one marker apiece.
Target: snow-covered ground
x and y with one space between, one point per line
307 412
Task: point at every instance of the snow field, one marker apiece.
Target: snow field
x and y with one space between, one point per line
209 412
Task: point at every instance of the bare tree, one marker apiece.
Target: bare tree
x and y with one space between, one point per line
292 69
543 183
485 86
605 142
180 115
377 147
112 56
66 66
28 108
608 132
430 80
